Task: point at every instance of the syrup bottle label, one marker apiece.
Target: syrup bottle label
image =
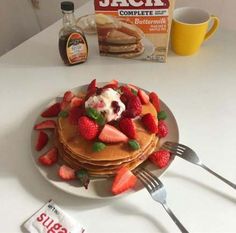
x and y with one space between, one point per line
76 48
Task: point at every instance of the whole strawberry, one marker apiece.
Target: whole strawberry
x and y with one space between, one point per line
134 107
87 128
150 122
127 127
160 158
162 129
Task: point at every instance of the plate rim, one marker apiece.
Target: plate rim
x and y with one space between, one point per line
35 154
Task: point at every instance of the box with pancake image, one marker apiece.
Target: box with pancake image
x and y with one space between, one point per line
137 29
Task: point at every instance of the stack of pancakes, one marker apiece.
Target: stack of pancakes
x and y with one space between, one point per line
118 38
77 152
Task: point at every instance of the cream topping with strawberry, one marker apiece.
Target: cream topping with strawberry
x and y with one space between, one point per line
108 103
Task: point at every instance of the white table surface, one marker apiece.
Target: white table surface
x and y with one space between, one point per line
201 92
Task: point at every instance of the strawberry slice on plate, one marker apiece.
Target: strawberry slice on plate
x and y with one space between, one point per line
150 122
112 135
66 173
42 140
92 86
123 181
76 102
112 84
68 96
160 158
52 111
143 96
49 158
48 124
127 126
154 99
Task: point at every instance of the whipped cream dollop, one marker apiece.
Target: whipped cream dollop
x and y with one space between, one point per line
108 103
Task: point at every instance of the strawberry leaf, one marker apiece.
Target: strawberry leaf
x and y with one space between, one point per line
63 114
83 177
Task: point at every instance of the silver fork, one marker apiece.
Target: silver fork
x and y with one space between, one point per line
157 191
189 155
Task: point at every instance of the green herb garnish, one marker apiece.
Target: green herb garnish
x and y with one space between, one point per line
95 115
83 177
161 115
98 146
63 114
134 144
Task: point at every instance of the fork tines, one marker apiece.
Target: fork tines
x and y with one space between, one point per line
150 181
173 147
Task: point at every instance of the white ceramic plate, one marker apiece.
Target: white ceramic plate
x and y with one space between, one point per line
99 188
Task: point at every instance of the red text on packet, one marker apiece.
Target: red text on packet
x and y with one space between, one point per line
50 224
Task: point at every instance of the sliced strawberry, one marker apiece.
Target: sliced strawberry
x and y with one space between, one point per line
160 158
113 84
126 90
162 129
66 173
155 101
90 93
48 124
150 122
64 105
92 85
127 126
87 128
143 96
42 140
76 102
68 96
112 135
123 181
133 108
74 114
49 158
52 111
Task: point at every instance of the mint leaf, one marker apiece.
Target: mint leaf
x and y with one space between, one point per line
101 120
83 177
134 144
98 146
95 115
161 115
63 114
92 113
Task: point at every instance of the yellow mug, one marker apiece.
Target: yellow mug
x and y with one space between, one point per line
190 29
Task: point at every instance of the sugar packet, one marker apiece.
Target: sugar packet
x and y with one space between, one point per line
52 219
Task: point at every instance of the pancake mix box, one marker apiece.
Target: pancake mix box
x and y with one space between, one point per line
137 29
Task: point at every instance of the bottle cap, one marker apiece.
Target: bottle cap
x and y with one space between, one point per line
67 6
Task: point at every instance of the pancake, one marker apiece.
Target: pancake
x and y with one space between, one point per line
110 48
77 152
77 145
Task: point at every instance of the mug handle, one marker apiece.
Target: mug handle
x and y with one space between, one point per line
214 27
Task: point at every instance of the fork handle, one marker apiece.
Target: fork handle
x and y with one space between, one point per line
218 176
174 218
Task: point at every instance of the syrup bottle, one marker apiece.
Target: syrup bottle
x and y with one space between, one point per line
73 46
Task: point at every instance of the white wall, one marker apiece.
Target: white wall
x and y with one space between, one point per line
19 20
17 23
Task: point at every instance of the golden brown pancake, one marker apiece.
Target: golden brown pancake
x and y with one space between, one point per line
77 152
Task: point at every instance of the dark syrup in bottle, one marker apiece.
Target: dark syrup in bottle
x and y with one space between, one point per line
73 46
